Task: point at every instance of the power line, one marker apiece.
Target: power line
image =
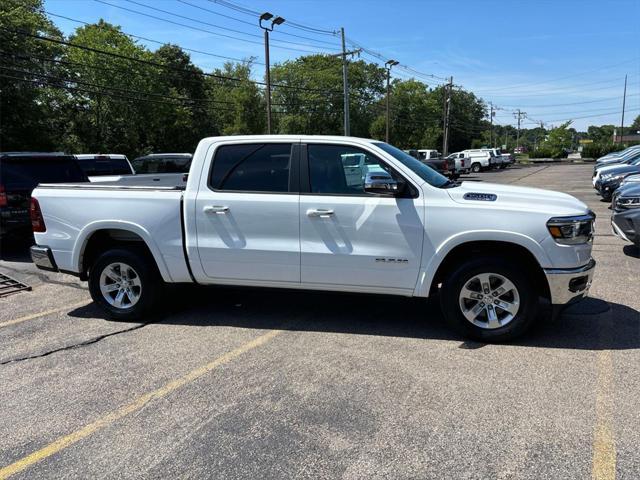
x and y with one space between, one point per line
160 65
198 28
573 103
218 26
289 23
524 85
253 24
158 42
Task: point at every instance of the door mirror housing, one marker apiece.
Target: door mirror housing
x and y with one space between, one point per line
381 183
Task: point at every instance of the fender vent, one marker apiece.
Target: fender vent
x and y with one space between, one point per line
481 197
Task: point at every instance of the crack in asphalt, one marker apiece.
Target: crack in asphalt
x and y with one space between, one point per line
529 174
76 345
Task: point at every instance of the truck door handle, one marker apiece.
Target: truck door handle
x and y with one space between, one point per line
319 212
217 209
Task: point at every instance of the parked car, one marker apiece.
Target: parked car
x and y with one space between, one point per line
20 172
97 165
446 166
618 157
480 159
625 219
403 230
612 179
163 163
600 170
462 164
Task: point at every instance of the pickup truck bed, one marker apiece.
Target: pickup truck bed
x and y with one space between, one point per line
147 208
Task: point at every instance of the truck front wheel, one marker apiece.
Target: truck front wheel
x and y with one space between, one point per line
476 167
488 299
124 283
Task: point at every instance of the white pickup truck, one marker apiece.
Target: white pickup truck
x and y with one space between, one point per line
291 212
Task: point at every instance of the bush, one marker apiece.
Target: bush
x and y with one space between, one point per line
542 152
597 150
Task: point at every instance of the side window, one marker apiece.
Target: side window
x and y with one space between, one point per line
341 170
256 167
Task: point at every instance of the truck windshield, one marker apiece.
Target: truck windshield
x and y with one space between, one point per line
424 171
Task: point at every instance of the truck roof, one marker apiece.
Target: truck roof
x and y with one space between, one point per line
262 138
33 154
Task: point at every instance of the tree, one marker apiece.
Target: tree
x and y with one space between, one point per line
180 124
307 95
635 126
237 106
116 99
558 140
27 103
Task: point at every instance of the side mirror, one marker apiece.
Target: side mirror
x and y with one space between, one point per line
381 183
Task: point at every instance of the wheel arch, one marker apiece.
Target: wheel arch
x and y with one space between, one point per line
97 238
448 258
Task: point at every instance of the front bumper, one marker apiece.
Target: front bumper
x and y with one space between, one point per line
567 285
626 224
43 258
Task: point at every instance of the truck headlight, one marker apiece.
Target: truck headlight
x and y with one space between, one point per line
572 230
627 202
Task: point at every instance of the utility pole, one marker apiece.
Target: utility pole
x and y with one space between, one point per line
624 101
345 81
447 117
388 64
266 16
491 128
519 115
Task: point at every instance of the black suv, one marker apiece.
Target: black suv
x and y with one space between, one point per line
20 173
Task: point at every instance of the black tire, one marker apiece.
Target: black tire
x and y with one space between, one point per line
508 268
149 278
476 167
503 166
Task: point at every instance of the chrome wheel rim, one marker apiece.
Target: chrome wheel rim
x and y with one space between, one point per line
489 300
120 285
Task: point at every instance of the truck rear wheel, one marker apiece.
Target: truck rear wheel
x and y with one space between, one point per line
125 283
476 167
489 299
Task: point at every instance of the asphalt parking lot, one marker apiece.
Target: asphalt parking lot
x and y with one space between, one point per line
240 383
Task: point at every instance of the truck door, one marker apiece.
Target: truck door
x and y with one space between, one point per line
247 215
352 238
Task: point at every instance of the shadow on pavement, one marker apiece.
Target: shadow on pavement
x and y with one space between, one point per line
631 251
589 325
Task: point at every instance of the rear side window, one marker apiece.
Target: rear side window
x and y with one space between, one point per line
105 166
27 172
166 164
258 167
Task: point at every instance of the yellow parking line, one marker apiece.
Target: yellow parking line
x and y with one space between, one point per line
604 446
42 314
137 404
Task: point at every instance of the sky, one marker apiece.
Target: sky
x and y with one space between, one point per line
555 60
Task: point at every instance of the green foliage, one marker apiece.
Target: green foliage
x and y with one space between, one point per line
28 109
635 126
597 150
559 139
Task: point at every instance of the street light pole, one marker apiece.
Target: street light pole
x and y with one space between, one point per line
266 16
388 64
